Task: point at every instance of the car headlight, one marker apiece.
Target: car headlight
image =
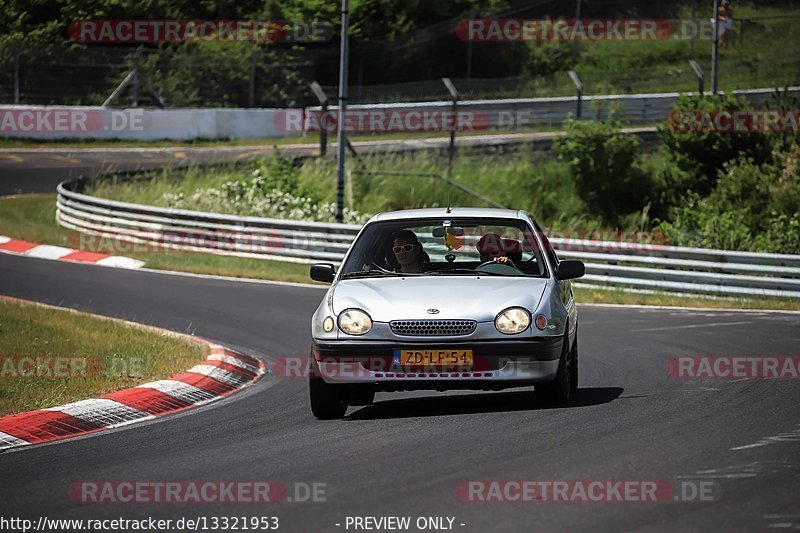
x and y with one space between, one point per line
354 322
512 320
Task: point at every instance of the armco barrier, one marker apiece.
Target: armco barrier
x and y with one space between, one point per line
657 267
526 113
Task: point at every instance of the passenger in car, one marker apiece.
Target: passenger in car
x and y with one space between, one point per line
492 247
513 249
408 252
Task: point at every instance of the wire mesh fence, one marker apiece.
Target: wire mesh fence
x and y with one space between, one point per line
774 73
230 75
238 74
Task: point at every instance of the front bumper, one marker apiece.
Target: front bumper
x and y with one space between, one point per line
498 362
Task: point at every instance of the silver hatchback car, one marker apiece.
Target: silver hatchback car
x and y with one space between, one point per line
439 299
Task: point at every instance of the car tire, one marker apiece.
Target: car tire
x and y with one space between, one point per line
328 402
573 375
557 392
361 395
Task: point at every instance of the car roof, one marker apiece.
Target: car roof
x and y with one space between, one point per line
453 212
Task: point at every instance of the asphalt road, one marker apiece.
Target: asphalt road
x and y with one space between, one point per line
25 171
405 455
40 170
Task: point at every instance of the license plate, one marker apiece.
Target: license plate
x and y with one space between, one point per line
426 357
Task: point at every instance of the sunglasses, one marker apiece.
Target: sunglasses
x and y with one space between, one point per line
404 248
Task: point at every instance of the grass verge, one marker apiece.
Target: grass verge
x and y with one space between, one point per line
32 218
85 356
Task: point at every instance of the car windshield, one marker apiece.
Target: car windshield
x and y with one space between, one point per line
445 247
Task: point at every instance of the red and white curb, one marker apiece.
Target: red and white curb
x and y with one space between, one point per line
222 373
47 251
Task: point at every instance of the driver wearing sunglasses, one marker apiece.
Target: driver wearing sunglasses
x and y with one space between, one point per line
408 252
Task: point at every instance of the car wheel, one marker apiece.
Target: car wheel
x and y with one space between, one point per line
361 395
573 371
557 392
327 401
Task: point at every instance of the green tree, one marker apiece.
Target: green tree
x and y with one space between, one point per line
602 162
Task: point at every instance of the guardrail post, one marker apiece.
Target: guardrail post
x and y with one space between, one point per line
319 92
578 87
451 152
701 77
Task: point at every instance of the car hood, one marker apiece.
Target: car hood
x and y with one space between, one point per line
464 297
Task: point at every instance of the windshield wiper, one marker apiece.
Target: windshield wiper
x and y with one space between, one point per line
462 271
369 274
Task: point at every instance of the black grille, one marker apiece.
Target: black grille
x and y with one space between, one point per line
425 328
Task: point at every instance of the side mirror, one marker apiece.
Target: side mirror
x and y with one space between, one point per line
322 272
570 269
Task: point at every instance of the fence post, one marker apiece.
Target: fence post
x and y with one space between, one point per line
579 87
578 10
135 93
253 64
715 50
17 53
452 149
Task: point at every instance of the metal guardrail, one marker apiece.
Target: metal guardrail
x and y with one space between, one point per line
656 267
526 113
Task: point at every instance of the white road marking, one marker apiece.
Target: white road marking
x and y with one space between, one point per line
744 471
690 326
789 436
689 310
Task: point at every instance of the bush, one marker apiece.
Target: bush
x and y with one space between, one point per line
273 189
669 182
602 163
548 58
754 207
705 153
